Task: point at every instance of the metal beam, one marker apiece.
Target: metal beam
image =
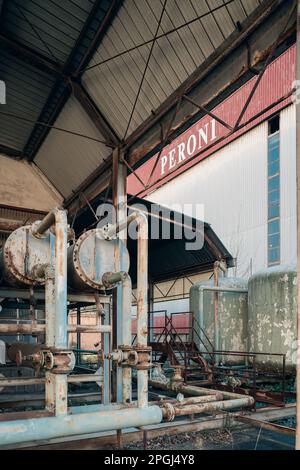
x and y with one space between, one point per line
30 56
216 58
101 30
227 67
92 110
257 423
10 152
85 46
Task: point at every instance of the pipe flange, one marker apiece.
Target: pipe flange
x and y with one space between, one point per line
104 232
59 361
132 359
144 357
168 411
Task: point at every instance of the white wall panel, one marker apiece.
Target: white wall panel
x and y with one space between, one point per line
232 185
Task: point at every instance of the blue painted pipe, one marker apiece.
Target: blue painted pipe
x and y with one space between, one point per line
35 429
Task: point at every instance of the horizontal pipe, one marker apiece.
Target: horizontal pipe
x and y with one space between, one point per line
203 399
173 428
192 389
21 381
114 229
19 431
89 328
212 407
29 329
120 406
10 293
241 290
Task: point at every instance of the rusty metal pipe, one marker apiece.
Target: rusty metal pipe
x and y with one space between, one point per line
142 302
114 229
35 429
31 329
208 407
23 381
192 389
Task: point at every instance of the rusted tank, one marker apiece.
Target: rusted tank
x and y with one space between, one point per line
22 254
90 257
272 307
226 328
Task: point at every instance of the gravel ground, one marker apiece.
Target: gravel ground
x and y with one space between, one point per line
242 439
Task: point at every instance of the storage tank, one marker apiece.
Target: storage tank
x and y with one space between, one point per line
272 306
231 334
90 257
22 253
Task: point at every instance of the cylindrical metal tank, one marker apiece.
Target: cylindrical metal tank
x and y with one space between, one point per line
90 257
272 307
230 332
21 254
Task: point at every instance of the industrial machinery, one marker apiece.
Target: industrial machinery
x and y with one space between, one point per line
93 267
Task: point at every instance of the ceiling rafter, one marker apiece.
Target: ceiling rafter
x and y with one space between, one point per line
68 76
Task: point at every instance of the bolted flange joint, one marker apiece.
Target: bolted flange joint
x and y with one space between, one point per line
59 361
124 356
168 411
144 358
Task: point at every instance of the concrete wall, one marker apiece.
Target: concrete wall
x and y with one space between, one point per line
23 186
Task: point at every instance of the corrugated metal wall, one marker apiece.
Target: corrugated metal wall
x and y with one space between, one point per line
232 185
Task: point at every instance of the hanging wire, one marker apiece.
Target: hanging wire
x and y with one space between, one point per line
40 123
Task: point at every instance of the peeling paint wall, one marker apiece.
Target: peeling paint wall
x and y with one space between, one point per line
272 314
232 315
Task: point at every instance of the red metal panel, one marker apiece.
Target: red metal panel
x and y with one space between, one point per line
182 153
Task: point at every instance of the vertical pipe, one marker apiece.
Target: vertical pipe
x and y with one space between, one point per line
142 303
56 306
50 309
61 244
78 337
216 309
298 229
126 337
106 338
119 194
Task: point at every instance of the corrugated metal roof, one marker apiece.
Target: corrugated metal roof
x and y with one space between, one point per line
58 32
27 90
66 160
114 84
50 27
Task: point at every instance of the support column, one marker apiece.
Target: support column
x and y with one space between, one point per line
119 192
56 388
106 345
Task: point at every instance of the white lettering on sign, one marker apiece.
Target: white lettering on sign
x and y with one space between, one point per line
204 136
